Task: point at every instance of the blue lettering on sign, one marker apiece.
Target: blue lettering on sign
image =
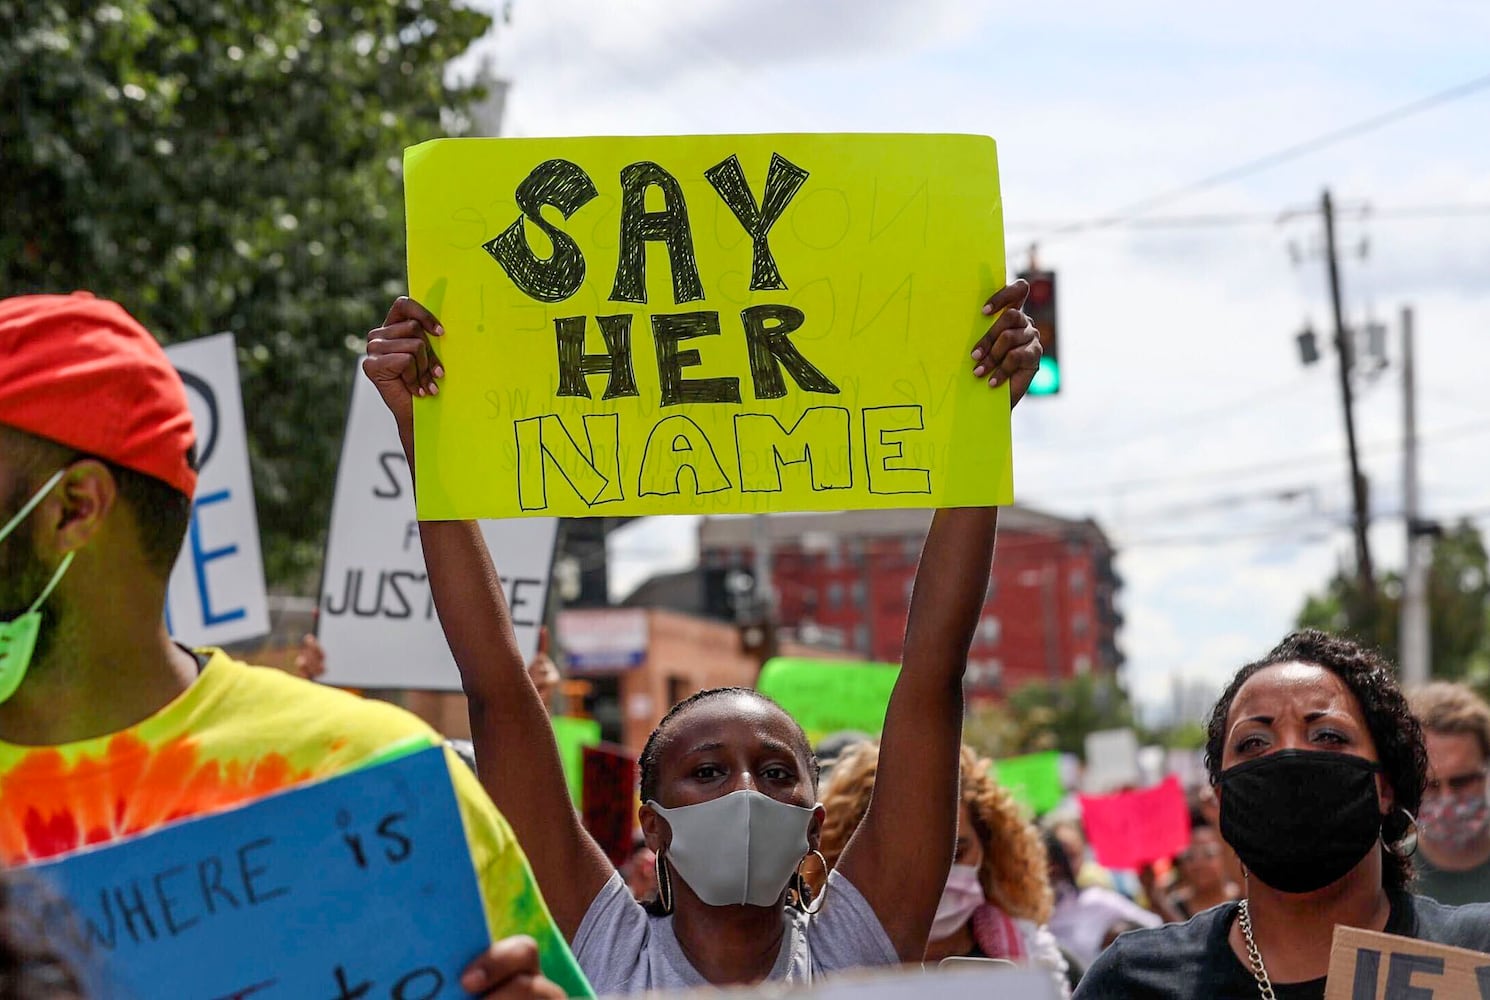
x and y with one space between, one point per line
200 557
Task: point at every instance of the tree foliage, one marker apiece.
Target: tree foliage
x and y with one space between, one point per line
1458 607
1045 716
230 165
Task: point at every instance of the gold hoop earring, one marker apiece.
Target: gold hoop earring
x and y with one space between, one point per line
803 893
664 886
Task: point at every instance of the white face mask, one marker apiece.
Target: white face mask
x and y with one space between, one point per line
963 895
738 849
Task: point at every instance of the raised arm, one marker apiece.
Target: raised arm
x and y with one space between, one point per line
516 756
900 855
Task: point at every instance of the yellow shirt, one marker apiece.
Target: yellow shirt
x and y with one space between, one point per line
239 733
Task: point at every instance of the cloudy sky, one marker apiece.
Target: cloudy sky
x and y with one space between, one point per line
1187 426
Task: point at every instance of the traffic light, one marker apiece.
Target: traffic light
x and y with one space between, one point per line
1040 308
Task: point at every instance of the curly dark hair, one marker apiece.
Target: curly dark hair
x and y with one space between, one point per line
1393 727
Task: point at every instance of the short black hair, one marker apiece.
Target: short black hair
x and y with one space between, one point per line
655 742
1393 727
162 513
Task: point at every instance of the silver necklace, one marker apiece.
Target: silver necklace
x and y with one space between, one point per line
1259 971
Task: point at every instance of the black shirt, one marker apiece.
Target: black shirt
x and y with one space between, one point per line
1194 959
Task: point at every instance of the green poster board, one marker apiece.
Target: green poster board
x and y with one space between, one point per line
1033 779
573 735
826 696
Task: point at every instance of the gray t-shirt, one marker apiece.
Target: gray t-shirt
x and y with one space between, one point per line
622 949
1452 888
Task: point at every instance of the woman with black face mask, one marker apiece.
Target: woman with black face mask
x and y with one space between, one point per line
1319 767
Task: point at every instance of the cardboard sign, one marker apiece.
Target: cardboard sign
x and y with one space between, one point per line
1366 965
378 622
826 696
707 324
1033 779
217 593
1131 829
359 886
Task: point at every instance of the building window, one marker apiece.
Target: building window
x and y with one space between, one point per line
1078 581
860 595
861 638
835 596
1082 665
912 549
910 587
989 630
1079 625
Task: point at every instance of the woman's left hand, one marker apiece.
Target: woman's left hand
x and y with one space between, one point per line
509 969
1010 350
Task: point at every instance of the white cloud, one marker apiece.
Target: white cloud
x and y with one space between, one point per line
1178 345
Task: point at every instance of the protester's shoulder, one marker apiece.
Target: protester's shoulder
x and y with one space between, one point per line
845 933
1168 960
286 701
612 939
1461 926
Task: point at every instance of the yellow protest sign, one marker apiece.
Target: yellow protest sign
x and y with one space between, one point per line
707 324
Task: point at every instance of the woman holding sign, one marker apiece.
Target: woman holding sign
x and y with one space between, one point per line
728 779
1319 767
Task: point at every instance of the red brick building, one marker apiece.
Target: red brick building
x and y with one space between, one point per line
845 580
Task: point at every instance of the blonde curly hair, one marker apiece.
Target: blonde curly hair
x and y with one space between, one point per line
1013 871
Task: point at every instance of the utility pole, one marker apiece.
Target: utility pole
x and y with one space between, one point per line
1347 364
1415 651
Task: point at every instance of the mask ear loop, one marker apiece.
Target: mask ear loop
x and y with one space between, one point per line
32 504
801 891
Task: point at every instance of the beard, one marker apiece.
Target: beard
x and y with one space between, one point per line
23 576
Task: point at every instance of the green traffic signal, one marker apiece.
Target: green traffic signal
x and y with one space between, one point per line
1047 381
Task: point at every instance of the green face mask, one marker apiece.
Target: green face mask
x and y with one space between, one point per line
18 636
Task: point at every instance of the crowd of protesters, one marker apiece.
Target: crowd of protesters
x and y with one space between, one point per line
1331 797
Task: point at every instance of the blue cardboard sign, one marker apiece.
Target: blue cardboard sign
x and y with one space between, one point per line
360 886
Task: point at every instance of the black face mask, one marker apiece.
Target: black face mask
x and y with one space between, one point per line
1301 819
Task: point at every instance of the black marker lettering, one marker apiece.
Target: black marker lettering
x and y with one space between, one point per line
568 188
783 178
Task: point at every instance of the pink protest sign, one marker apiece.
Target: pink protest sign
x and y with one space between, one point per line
1128 830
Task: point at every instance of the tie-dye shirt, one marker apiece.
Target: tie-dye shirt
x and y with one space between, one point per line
238 733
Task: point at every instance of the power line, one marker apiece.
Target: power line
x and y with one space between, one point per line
1298 461
1144 205
1236 220
1188 421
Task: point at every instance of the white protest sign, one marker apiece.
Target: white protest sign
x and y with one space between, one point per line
955 979
217 593
377 618
1111 761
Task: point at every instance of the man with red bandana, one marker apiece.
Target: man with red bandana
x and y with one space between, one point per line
108 727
